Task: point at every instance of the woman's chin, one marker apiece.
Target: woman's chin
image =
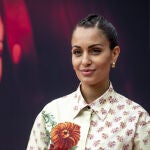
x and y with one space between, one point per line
88 82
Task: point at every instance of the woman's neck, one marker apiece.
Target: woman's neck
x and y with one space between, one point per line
92 92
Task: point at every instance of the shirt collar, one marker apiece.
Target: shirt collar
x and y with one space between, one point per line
100 106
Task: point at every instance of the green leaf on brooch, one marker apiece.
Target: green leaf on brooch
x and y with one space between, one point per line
74 148
48 118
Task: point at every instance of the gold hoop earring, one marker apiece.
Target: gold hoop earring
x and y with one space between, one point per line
113 65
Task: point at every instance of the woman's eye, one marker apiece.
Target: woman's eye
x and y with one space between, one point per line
96 51
77 52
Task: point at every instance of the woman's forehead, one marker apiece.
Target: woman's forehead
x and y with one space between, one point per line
81 35
91 31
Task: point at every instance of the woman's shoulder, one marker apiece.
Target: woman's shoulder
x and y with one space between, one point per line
129 109
61 102
129 104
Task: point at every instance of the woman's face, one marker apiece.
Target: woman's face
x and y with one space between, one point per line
91 55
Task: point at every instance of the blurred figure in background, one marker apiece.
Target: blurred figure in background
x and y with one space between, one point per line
1 46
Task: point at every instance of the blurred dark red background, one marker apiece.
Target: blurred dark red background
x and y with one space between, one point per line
35 57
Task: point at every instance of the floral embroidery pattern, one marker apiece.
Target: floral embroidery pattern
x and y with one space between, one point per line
65 136
49 120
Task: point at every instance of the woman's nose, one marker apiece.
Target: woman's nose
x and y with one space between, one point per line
86 60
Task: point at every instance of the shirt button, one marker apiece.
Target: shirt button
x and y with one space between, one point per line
88 107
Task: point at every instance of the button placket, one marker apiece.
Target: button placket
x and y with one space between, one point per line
84 120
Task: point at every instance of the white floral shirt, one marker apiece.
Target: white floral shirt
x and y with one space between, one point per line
111 122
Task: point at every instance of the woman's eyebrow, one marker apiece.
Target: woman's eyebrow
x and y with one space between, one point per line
76 46
88 46
95 45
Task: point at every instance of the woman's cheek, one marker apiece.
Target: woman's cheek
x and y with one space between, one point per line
75 63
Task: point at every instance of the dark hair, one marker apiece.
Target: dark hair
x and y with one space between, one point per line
94 20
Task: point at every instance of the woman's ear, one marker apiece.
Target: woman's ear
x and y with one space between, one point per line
115 53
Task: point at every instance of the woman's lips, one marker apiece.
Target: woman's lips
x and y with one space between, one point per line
87 72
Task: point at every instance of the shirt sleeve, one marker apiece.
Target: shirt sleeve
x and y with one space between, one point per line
142 135
38 137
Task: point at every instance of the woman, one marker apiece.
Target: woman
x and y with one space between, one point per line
94 117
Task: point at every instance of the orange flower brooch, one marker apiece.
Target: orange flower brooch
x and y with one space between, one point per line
65 136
